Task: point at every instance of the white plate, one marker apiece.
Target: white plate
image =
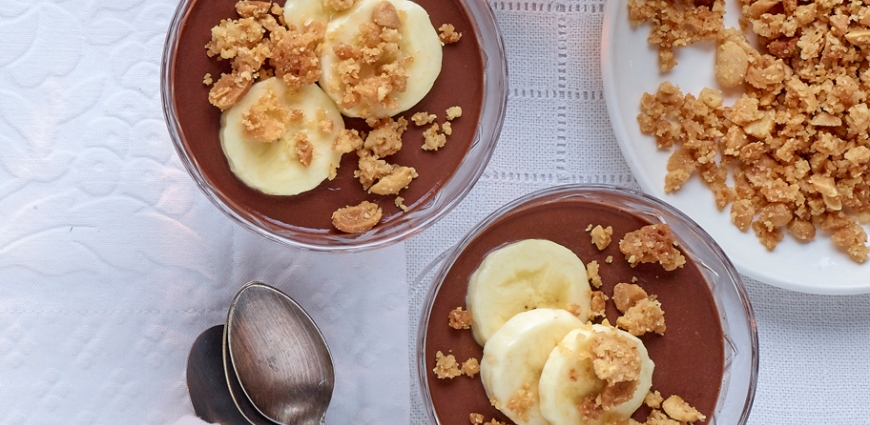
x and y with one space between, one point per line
630 68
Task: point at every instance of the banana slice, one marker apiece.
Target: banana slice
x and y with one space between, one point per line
570 389
301 13
361 70
525 275
278 168
514 357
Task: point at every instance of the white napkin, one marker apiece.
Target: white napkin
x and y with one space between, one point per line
112 261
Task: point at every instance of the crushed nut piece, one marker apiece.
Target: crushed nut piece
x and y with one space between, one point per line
357 219
433 139
599 304
398 179
678 409
423 118
626 295
653 399
207 80
601 236
644 316
521 402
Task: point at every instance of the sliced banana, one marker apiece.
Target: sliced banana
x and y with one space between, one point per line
419 53
569 380
302 13
529 274
514 357
276 168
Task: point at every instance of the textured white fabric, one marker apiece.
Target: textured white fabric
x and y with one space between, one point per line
112 261
813 362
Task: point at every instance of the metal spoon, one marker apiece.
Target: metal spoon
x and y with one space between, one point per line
279 355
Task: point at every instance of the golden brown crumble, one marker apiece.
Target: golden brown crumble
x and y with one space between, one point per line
252 9
447 128
385 138
294 54
644 316
370 168
599 304
304 149
616 358
634 279
609 259
231 36
471 367
592 273
448 34
347 141
677 24
657 417
400 204
433 139
601 236
207 80
459 318
573 309
678 409
453 113
357 219
626 295
795 142
423 118
652 243
339 4
230 89
521 402
476 419
653 399
266 120
446 366
399 178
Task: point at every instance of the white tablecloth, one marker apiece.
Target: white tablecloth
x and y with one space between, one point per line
111 261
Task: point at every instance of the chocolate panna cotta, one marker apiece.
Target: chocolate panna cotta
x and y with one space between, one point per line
460 83
689 357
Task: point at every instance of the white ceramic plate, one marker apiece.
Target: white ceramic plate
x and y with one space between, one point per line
630 68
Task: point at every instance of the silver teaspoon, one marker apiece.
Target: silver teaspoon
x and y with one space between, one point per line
280 358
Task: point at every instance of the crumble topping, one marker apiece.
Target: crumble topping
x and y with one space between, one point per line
357 219
446 366
399 178
599 304
678 409
592 273
794 143
644 316
609 259
423 118
522 401
370 168
677 24
265 121
459 318
207 80
447 128
471 367
653 399
385 138
252 9
230 89
616 358
448 34
433 139
476 418
347 141
400 203
304 149
652 243
453 113
601 236
626 295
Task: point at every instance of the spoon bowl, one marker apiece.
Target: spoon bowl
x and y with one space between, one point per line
279 356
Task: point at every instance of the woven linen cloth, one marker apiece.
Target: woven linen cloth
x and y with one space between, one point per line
813 366
112 261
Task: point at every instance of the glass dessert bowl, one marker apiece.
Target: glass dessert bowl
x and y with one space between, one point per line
473 76
707 355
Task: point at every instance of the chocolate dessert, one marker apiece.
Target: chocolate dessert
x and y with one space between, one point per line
460 83
689 357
